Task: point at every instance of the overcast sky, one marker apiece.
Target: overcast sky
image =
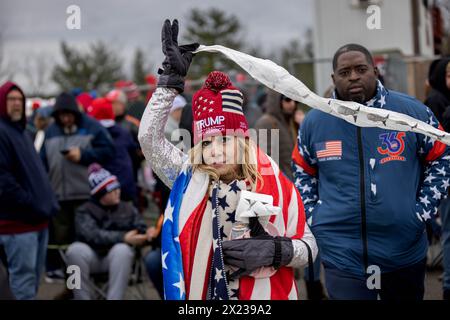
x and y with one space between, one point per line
36 27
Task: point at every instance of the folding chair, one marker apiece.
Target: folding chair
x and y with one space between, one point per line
137 285
98 282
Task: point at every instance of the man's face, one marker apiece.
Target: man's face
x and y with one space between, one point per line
40 122
288 106
118 108
14 105
67 119
355 78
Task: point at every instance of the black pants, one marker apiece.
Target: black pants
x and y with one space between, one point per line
62 231
402 284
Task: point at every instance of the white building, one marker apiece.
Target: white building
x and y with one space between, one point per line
382 26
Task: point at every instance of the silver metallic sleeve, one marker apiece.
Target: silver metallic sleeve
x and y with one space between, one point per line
165 159
301 252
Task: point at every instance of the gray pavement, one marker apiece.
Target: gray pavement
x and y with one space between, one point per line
47 291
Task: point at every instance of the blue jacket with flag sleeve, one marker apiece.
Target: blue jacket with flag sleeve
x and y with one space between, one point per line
367 192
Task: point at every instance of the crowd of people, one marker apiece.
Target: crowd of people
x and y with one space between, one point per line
71 177
61 169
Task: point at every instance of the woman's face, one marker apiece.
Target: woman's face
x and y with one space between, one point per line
220 152
288 106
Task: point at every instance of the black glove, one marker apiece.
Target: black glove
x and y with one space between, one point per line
178 58
256 229
252 253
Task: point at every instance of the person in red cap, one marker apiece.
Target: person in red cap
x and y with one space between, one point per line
134 100
119 102
118 99
151 81
121 164
84 100
234 226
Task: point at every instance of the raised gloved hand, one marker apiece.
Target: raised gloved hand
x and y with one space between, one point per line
250 254
178 58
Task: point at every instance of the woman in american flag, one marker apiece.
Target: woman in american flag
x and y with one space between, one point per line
234 226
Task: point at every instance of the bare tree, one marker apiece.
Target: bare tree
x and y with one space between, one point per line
6 67
37 70
141 66
212 26
96 68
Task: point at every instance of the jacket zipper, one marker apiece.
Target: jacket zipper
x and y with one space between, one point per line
362 200
62 172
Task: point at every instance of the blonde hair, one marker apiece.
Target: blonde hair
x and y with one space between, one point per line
247 153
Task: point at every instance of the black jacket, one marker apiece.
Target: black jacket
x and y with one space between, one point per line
438 103
102 227
439 98
121 165
25 191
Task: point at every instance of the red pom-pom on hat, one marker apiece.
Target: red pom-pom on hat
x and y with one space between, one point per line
217 81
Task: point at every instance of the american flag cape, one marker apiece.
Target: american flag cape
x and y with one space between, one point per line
187 236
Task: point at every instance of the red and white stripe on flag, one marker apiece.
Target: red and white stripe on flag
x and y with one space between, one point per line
196 234
329 149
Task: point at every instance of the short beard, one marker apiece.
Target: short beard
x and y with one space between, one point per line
358 99
16 117
70 130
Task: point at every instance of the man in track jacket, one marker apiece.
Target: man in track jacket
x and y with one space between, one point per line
368 192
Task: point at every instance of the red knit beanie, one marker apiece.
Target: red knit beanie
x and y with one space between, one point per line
217 109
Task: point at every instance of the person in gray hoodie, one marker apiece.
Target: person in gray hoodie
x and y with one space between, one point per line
72 142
